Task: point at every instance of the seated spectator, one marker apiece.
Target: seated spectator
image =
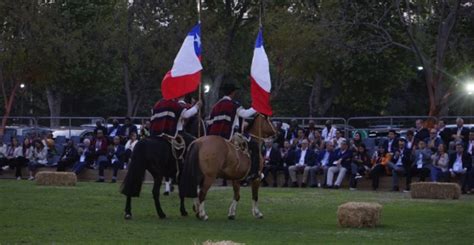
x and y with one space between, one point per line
114 160
287 157
293 130
391 143
13 154
340 166
421 163
317 142
129 147
145 130
296 142
440 164
280 134
3 155
68 157
460 133
329 132
323 162
460 163
470 143
99 147
433 141
400 164
304 160
86 157
356 142
379 165
98 125
310 132
112 131
443 133
421 133
48 142
39 158
127 128
273 163
360 165
410 141
339 139
24 159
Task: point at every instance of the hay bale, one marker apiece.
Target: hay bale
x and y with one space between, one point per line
435 190
221 243
56 178
359 214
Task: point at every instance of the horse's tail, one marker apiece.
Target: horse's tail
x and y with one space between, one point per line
191 174
132 184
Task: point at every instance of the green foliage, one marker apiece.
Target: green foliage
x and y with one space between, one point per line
343 49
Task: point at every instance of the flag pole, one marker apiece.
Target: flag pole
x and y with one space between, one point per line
200 85
260 140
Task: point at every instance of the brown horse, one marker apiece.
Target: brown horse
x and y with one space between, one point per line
212 157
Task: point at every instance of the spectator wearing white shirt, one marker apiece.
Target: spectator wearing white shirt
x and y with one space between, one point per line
39 158
329 132
460 165
421 163
131 142
304 160
339 139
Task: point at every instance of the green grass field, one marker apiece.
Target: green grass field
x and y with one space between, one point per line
93 213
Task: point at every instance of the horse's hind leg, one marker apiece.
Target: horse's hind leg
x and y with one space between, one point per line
199 204
128 208
233 205
182 208
255 211
156 197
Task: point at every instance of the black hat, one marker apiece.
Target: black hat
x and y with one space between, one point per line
228 88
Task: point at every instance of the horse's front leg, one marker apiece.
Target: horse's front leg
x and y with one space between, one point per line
233 205
128 208
255 211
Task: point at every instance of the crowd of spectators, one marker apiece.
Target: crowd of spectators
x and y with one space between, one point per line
438 153
323 156
106 148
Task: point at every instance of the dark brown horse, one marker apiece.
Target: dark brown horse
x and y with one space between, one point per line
212 157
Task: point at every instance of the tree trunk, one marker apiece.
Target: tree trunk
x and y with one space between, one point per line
8 104
213 95
55 98
315 96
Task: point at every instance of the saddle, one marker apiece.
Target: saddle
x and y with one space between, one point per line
240 143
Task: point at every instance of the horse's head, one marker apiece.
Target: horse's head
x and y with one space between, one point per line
262 127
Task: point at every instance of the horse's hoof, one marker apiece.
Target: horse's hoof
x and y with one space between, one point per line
259 216
162 216
128 216
184 214
204 218
231 217
166 193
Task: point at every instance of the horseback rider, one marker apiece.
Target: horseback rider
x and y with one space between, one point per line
169 117
225 118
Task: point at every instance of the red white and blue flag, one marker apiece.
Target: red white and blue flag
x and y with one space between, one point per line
185 76
260 83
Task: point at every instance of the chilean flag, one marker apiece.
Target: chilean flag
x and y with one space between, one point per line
185 75
260 83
